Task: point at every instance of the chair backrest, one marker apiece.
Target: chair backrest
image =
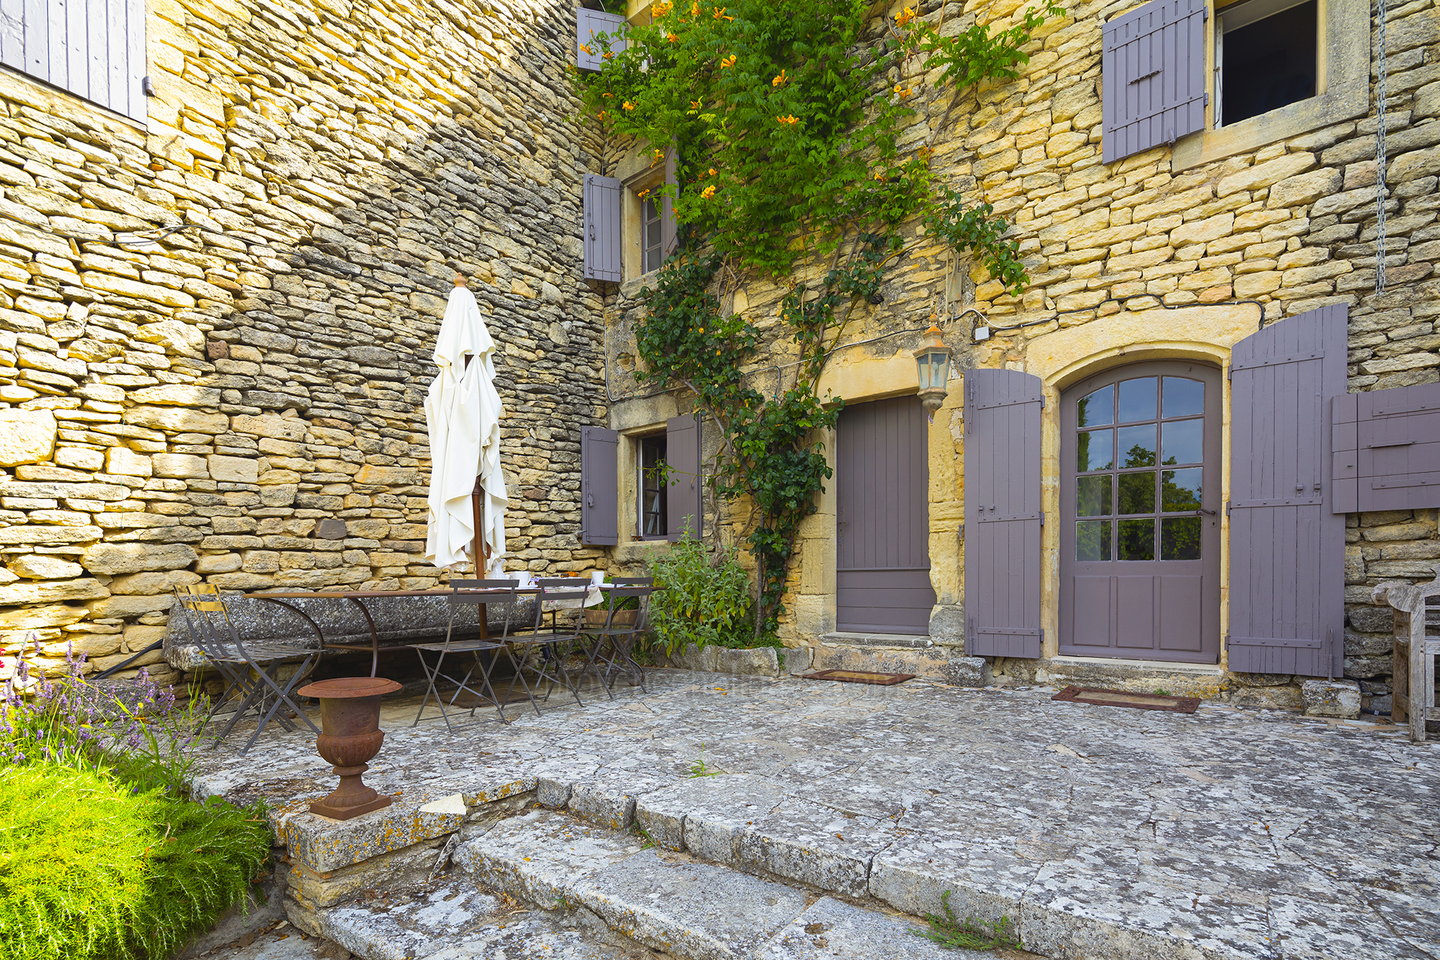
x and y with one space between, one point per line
633 581
616 595
575 582
207 619
561 602
492 593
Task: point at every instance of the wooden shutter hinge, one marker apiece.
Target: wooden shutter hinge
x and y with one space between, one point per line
1042 518
960 531
147 86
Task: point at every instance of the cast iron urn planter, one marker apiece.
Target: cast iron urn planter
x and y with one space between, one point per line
349 739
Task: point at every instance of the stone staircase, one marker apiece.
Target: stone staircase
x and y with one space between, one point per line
546 884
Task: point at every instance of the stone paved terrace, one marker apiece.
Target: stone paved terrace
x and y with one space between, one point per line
1106 832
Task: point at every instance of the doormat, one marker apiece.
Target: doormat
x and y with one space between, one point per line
1124 698
859 676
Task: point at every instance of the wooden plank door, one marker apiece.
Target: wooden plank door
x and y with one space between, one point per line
1002 513
882 553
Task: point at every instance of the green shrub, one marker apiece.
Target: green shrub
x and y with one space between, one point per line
103 856
73 848
92 868
705 598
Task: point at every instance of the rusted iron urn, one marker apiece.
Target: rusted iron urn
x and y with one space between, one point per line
349 739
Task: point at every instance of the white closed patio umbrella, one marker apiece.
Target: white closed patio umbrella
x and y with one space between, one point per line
462 412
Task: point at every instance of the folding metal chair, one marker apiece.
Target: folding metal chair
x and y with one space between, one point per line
541 650
253 671
612 646
475 595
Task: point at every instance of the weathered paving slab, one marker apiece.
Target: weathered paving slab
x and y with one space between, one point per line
1104 832
690 909
834 930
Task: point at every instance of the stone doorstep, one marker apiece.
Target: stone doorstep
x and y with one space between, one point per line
894 653
840 639
672 902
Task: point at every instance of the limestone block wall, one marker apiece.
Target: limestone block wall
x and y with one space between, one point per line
240 401
1273 230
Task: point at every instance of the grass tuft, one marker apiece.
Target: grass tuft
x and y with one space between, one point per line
969 933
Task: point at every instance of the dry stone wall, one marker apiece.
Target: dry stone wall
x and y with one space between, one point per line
240 402
1290 225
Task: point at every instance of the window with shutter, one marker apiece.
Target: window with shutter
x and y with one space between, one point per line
1287 546
596 33
602 228
1002 513
1153 62
1387 449
685 505
94 49
599 486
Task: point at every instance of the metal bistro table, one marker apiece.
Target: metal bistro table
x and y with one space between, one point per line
285 598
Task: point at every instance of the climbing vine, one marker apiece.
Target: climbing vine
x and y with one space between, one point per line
784 120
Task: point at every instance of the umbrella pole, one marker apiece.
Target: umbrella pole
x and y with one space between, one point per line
479 552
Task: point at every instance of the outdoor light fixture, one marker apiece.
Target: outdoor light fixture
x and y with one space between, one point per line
933 361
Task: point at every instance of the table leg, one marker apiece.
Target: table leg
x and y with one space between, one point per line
374 635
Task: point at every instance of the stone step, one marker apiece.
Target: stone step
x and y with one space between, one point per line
875 853
687 908
884 653
453 920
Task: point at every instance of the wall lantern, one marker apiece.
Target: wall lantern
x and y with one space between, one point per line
933 361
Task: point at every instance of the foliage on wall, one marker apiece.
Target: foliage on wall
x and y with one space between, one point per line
785 119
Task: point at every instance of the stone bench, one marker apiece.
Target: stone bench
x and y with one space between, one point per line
399 622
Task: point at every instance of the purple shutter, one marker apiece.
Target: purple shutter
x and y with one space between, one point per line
599 491
1153 74
590 24
602 228
1287 547
669 235
1002 513
1387 449
684 497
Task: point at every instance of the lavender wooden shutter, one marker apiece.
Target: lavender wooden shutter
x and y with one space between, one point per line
602 228
92 48
1002 513
1287 548
1153 74
669 235
599 486
684 505
589 49
1387 449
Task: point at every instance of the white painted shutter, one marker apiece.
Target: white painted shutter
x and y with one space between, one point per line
94 49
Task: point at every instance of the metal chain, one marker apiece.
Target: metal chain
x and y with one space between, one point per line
1380 160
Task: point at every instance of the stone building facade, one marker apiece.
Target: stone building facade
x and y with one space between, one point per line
239 400
1171 253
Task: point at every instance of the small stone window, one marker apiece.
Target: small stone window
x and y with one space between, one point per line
652 244
653 512
1266 57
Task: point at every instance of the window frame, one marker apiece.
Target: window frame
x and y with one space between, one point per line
642 490
1244 13
1342 82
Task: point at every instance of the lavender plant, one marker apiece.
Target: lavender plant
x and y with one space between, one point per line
136 729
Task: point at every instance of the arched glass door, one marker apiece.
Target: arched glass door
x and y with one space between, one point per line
1139 504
